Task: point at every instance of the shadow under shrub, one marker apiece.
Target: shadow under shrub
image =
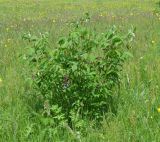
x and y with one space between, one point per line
78 77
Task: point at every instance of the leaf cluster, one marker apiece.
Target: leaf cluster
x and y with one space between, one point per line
80 75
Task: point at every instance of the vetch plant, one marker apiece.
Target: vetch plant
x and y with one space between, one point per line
79 76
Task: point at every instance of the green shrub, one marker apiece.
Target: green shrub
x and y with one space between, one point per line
79 76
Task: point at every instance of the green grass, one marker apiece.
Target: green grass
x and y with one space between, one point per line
137 119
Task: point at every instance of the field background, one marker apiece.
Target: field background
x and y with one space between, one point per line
138 119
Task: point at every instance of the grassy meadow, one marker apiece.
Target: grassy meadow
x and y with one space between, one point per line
138 115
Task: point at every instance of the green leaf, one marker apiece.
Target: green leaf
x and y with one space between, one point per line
127 55
74 67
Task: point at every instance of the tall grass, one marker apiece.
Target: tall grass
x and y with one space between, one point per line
137 118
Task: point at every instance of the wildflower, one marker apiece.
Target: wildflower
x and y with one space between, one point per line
158 109
153 41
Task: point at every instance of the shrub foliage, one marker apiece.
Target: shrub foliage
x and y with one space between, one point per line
80 75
